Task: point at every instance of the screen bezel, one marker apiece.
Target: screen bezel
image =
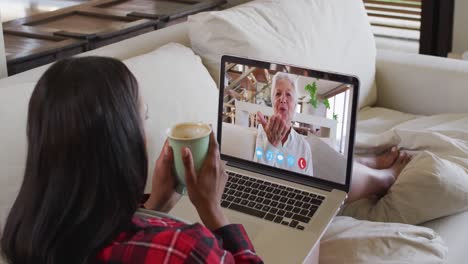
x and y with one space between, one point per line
281 173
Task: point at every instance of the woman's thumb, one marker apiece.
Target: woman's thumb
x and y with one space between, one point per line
188 165
168 153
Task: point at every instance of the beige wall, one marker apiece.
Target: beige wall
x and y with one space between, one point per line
3 69
460 27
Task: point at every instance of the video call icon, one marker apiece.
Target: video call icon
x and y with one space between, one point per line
302 163
280 158
259 153
291 161
269 155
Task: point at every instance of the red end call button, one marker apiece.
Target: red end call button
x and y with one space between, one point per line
302 163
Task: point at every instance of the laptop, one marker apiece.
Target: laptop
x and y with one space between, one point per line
286 192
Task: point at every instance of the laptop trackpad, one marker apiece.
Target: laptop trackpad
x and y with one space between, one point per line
185 210
252 225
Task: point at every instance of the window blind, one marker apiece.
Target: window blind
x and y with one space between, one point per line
395 18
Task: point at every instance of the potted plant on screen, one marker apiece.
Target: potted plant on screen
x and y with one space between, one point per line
315 101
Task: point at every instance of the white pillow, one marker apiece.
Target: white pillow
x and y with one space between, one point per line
374 125
348 240
14 100
331 35
177 88
429 187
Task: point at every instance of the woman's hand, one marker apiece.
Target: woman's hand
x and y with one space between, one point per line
163 196
206 188
275 129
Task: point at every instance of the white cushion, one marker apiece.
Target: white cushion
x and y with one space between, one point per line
331 35
429 187
376 120
450 228
435 183
374 126
348 240
177 88
437 84
14 100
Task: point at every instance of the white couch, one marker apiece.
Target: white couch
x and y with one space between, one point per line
408 83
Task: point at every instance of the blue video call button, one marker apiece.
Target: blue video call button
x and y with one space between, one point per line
259 152
280 158
269 155
291 161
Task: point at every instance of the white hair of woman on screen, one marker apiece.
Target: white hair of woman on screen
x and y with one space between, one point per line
283 80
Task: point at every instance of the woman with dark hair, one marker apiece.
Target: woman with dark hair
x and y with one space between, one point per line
86 171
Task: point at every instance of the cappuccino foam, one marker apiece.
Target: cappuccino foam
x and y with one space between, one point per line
190 131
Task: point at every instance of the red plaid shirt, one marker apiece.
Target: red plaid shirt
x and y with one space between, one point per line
164 240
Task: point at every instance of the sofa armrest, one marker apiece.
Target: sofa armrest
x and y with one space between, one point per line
420 84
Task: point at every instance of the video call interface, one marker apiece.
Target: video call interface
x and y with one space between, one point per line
284 118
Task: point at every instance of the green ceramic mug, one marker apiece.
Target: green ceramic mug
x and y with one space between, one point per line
195 136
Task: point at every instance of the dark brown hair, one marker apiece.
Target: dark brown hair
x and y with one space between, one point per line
86 165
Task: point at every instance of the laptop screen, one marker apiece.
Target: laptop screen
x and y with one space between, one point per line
289 118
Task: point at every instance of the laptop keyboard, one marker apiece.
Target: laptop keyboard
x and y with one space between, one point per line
272 202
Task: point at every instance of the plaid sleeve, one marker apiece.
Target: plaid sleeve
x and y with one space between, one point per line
235 240
161 240
233 247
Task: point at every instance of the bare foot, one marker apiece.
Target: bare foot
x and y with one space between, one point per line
388 176
399 164
382 161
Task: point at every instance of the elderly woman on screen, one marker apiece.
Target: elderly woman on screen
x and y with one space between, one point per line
277 143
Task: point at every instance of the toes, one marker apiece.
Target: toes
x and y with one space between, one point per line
388 151
390 156
402 157
394 152
397 151
408 158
